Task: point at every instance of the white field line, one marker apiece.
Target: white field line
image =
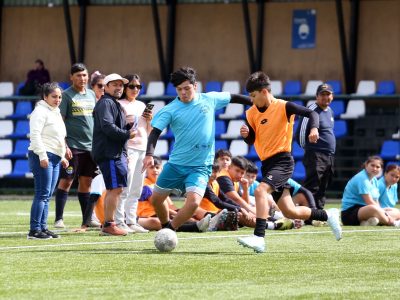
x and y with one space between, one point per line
294 232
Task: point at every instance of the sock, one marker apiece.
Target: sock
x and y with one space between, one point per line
87 216
108 223
209 213
83 201
260 227
188 227
61 199
168 225
318 214
270 225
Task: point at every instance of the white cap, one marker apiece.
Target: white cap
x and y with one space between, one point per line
114 77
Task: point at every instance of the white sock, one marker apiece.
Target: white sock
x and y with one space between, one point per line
270 226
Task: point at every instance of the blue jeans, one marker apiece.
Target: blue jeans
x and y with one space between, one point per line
45 181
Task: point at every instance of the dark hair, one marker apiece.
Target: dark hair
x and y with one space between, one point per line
49 87
183 74
258 81
157 161
240 162
39 61
251 167
215 167
391 167
371 158
223 152
130 77
78 67
96 78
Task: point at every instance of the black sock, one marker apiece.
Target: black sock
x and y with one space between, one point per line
318 214
83 201
260 227
87 216
188 227
61 199
168 225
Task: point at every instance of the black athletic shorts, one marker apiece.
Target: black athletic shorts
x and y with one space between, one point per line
350 216
81 164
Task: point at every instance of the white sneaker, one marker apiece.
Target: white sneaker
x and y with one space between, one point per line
204 223
257 243
125 227
373 221
59 224
217 220
397 223
136 228
94 224
334 223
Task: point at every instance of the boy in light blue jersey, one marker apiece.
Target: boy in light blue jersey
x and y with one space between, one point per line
191 117
387 184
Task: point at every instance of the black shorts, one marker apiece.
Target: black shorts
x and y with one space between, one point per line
350 216
81 164
276 171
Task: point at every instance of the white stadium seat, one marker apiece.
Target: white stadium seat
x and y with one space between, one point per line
155 88
276 87
232 87
6 89
355 109
311 87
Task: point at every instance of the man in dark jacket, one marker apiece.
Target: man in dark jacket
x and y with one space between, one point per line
110 134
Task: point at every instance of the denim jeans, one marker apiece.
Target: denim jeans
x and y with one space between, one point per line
45 180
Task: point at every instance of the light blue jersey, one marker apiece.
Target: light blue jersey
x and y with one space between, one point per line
359 185
193 126
253 187
295 185
388 197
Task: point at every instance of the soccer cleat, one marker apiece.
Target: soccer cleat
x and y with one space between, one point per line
37 235
59 224
218 220
125 227
257 243
112 229
373 221
51 234
204 223
284 224
334 223
136 228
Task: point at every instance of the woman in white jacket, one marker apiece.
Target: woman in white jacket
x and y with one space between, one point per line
46 152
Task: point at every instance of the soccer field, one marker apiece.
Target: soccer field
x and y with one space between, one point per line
299 264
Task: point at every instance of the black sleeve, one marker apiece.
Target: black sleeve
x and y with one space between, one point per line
309 196
228 200
225 184
210 195
252 135
152 141
240 99
106 119
294 109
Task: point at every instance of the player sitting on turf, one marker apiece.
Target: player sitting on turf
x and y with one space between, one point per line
224 158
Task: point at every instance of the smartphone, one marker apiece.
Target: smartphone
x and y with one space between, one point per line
149 107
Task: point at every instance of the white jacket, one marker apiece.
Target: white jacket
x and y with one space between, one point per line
47 131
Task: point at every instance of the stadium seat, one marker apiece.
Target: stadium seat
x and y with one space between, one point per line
276 87
238 147
170 90
299 172
233 129
366 87
168 133
396 135
6 147
252 155
221 144
336 86
386 87
22 110
21 130
340 128
155 89
199 87
5 167
220 128
338 107
232 111
162 148
292 87
19 87
298 102
311 87
64 85
213 86
6 128
232 87
21 169
390 150
355 109
297 151
6 89
158 104
6 109
20 149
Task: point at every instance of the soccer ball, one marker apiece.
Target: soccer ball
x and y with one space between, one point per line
166 240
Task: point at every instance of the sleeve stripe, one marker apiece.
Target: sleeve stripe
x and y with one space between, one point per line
303 128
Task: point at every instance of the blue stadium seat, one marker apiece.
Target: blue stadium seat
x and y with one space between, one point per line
298 102
21 130
221 144
213 86
22 110
386 87
297 151
252 155
21 169
220 128
390 150
336 86
64 85
19 87
292 87
20 149
170 90
299 172
340 128
338 107
168 134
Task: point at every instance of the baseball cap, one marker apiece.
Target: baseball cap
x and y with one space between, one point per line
114 77
324 88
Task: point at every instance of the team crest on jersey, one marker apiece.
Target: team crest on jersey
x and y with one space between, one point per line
204 109
69 170
263 121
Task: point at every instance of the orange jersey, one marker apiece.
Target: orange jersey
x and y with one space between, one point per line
145 209
206 204
273 131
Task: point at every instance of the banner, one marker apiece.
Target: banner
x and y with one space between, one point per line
303 28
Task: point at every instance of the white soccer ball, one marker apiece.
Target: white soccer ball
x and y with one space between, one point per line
166 240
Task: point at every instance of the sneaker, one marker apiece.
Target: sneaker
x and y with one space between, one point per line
136 228
51 234
317 223
257 243
217 220
204 223
112 229
373 221
334 223
284 224
94 224
125 227
37 235
59 224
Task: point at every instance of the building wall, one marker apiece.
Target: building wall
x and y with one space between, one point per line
210 38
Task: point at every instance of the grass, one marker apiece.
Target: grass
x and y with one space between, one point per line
299 264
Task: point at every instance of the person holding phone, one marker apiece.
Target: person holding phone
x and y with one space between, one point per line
139 116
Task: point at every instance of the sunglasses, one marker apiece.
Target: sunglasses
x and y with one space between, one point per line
99 85
133 86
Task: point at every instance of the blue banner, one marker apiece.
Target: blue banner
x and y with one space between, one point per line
303 28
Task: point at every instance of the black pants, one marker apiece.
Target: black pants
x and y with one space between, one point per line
319 171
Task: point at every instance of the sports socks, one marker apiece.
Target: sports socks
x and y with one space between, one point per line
168 225
83 201
260 227
61 199
188 227
87 216
318 214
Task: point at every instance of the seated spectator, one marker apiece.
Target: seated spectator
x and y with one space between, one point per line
387 185
35 79
224 158
300 195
